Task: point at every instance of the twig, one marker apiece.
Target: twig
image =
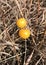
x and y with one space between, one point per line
12 57
38 61
5 3
19 7
5 53
8 28
30 57
25 53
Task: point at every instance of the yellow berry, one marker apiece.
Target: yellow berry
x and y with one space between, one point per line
21 23
24 33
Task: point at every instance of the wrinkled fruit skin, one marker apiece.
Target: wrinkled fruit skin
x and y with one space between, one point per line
21 23
24 33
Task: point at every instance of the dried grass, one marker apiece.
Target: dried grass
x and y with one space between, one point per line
13 49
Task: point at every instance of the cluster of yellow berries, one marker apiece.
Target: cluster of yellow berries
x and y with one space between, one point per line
23 33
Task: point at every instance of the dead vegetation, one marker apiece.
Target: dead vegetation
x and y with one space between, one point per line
13 49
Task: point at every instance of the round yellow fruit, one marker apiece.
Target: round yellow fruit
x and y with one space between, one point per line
21 23
24 33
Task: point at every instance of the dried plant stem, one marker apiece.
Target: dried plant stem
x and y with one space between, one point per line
5 3
38 61
19 7
5 53
8 28
30 57
25 52
11 45
12 57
